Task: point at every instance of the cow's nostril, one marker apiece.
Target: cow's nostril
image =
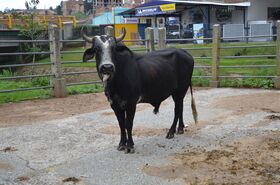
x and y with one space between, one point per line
107 68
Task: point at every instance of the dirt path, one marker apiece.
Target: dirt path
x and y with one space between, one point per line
28 112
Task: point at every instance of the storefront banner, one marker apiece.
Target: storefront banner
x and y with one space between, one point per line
168 7
155 10
198 32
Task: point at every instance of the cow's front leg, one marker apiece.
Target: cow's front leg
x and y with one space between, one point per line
130 112
120 114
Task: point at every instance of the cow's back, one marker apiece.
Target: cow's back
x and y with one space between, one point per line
162 72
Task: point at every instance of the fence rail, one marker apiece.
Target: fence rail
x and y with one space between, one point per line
25 65
58 83
25 41
26 89
25 53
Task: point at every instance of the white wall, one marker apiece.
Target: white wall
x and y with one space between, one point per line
68 31
237 17
258 9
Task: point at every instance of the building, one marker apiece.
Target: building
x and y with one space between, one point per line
106 5
106 11
70 7
182 15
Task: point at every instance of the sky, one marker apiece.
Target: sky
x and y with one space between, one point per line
20 4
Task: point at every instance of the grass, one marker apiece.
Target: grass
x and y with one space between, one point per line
94 88
37 94
20 95
40 94
228 82
72 57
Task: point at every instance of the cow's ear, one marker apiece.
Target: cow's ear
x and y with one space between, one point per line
88 54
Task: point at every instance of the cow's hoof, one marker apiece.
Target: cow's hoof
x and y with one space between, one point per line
180 131
121 147
129 150
170 135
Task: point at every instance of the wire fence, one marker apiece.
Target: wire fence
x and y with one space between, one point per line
56 75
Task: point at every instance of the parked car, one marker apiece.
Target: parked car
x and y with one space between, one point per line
187 32
172 31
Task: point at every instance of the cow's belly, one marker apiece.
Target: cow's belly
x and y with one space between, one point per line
157 93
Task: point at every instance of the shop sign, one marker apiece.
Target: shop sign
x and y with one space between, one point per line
155 10
131 20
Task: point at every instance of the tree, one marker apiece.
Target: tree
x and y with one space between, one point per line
58 10
6 10
51 8
88 7
33 30
31 5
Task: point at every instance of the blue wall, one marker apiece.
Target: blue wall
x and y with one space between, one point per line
107 17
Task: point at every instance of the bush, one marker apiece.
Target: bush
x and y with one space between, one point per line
40 81
7 73
249 82
85 89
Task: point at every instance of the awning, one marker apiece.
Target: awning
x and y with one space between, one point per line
244 4
154 6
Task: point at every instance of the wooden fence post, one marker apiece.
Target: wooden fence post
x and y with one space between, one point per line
59 83
109 30
150 41
277 80
216 55
161 38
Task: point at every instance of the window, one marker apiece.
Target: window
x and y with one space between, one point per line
273 13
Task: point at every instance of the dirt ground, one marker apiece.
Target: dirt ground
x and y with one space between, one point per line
253 160
28 112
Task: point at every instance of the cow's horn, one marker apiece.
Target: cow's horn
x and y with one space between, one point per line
85 37
121 37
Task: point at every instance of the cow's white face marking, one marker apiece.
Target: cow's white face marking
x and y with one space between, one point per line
106 52
105 56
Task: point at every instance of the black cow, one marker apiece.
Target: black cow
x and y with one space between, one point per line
130 78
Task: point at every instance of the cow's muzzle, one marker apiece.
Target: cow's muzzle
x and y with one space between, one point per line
107 71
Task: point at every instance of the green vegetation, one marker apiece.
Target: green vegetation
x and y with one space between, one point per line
20 95
266 83
39 94
80 16
36 94
95 88
235 72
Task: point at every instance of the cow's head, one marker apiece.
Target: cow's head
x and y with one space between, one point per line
103 48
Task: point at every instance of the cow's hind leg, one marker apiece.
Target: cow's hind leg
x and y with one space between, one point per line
177 112
120 114
181 122
178 98
181 126
130 112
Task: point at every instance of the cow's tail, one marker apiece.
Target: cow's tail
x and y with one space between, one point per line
194 111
